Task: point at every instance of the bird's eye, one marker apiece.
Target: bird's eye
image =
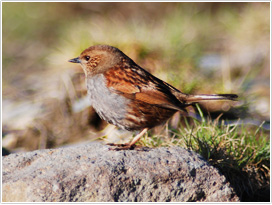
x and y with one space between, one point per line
87 58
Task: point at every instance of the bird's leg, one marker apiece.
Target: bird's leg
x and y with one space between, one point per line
129 145
138 136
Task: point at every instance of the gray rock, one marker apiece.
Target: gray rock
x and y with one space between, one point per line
93 173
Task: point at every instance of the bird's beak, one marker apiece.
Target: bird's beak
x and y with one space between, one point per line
75 60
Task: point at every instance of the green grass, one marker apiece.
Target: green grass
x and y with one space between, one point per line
238 151
236 144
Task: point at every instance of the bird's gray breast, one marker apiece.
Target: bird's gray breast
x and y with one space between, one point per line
109 105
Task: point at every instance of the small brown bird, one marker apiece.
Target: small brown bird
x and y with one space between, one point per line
126 95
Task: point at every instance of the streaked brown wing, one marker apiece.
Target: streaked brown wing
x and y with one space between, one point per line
141 85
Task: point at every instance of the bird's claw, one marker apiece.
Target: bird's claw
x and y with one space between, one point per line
119 147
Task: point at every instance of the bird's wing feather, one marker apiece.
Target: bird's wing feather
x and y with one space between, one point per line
142 86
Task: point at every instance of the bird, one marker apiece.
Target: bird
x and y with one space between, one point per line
128 96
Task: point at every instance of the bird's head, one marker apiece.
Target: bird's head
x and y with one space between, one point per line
98 59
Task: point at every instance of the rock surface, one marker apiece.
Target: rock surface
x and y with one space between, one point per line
93 173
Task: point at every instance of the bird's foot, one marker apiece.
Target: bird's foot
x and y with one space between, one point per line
118 147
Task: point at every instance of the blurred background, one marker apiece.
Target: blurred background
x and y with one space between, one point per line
196 47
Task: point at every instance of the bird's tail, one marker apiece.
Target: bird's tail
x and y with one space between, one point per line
198 98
